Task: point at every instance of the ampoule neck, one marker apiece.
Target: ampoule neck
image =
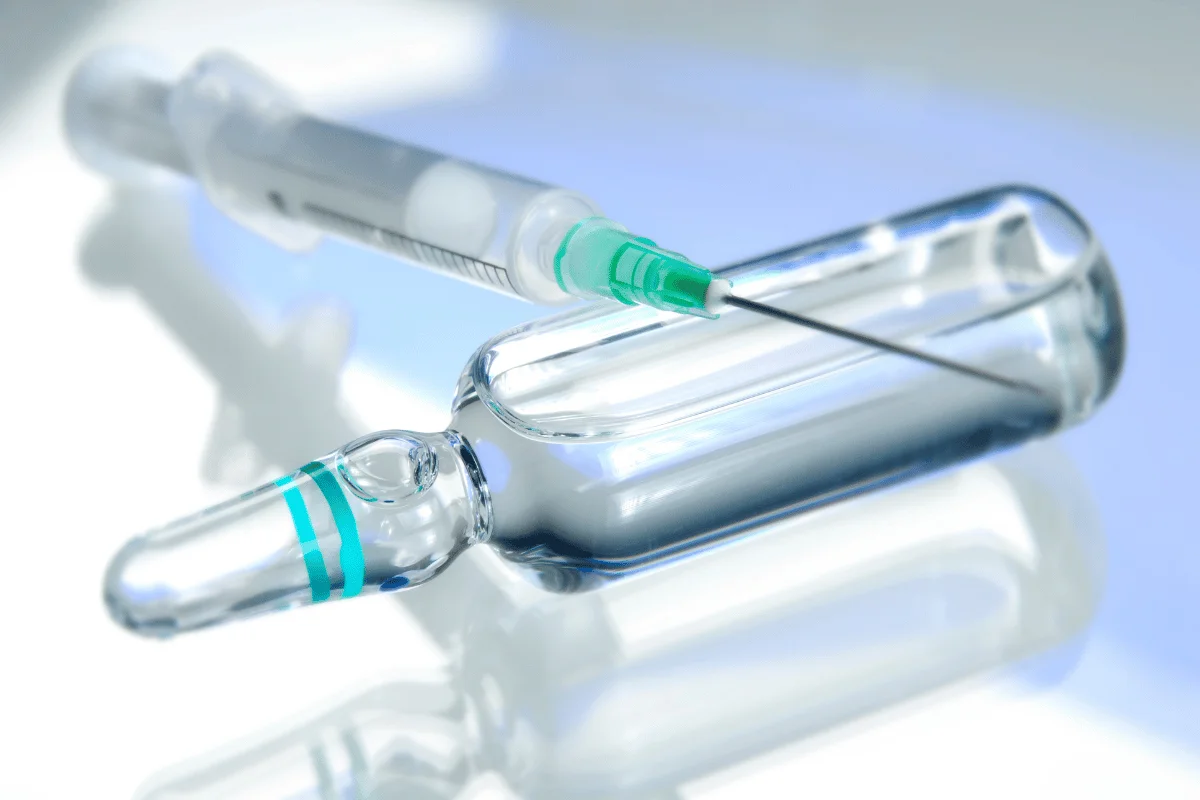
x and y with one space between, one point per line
388 511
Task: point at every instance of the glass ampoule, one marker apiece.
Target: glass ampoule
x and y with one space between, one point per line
651 683
599 443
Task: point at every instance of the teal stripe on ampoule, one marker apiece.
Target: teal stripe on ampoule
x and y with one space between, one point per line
354 565
318 577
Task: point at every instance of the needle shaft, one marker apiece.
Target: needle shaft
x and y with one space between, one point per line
881 344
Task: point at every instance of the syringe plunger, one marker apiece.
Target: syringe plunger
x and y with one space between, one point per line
294 178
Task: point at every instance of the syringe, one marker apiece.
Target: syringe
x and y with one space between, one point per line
295 178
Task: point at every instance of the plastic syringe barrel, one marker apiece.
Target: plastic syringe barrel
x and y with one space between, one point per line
293 178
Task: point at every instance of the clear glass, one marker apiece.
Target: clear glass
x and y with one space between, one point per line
649 683
1010 280
627 438
387 510
599 443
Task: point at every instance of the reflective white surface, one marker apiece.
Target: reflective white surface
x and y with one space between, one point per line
98 385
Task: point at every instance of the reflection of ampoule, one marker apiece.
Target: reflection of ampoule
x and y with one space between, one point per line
599 443
646 684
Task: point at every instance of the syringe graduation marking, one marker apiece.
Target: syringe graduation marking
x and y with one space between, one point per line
414 249
882 344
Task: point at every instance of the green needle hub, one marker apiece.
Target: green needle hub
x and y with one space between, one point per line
599 258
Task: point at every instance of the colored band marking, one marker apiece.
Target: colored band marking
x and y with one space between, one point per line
318 578
354 565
